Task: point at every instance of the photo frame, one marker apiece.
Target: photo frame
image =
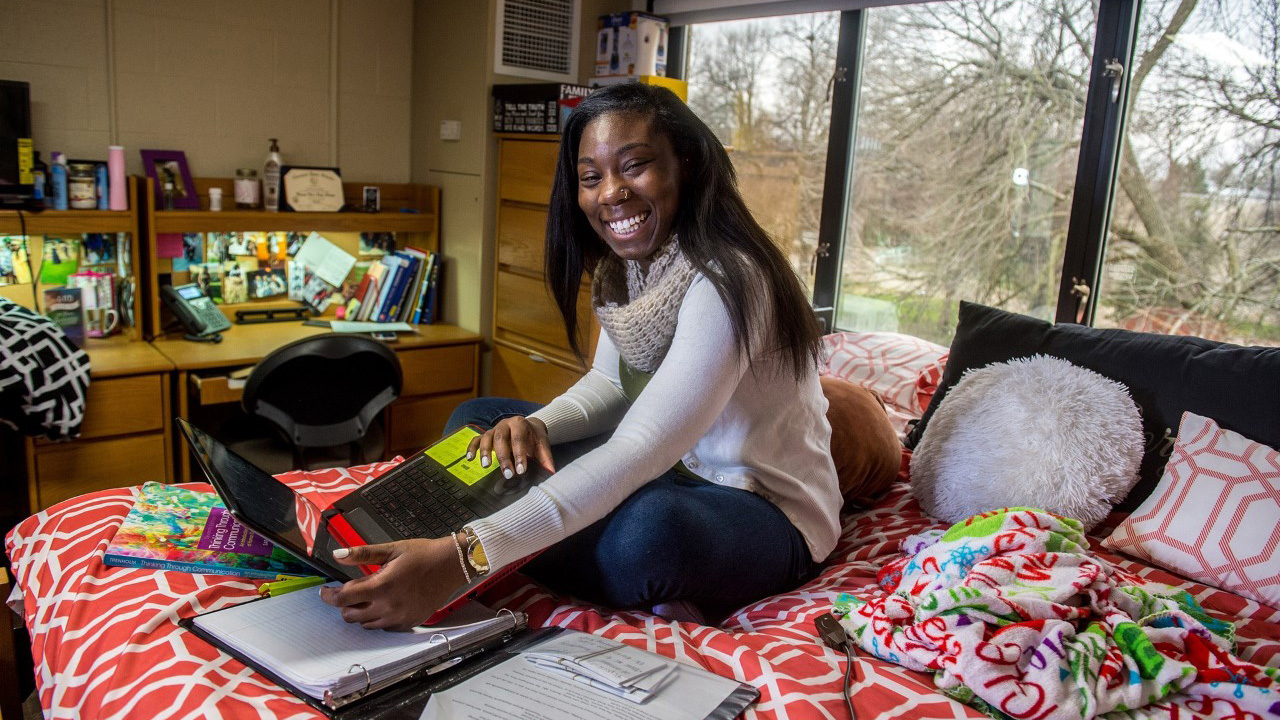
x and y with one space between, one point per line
173 163
311 189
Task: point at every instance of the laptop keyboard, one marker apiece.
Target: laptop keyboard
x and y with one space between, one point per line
419 503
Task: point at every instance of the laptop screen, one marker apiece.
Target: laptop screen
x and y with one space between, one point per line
260 501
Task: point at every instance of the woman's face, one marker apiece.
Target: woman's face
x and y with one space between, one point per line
628 184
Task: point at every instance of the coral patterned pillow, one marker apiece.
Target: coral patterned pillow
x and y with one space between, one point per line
1215 516
903 370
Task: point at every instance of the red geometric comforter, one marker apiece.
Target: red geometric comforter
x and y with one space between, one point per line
107 645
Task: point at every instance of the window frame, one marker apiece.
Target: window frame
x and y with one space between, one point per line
1096 171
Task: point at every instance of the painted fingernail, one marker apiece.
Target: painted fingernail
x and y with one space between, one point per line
506 473
341 553
519 468
484 461
471 455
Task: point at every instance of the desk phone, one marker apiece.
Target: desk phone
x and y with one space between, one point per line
194 309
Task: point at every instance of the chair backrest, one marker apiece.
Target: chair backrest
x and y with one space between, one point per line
324 390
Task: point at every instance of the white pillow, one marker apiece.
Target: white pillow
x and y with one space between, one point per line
1035 432
1215 516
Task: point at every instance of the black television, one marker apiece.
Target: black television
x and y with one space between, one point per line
16 187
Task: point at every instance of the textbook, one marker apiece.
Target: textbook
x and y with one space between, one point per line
306 647
173 528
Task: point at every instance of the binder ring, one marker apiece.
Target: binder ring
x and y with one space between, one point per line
510 612
448 646
367 680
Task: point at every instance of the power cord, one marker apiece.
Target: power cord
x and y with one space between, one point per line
834 637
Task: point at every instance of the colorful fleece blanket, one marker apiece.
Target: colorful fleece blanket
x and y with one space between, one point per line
1014 615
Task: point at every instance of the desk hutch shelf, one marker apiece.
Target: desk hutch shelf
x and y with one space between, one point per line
440 362
126 434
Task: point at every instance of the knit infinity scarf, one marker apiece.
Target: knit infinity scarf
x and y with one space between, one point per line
642 320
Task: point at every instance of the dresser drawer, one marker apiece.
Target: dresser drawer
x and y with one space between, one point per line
65 471
521 237
524 306
526 170
418 422
518 373
118 406
439 369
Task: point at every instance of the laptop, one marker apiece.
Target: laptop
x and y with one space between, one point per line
431 494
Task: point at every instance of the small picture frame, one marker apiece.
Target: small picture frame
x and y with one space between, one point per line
171 165
372 198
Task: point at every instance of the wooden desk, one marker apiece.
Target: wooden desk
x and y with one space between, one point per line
126 438
441 366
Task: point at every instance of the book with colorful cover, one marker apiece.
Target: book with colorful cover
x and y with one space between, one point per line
173 528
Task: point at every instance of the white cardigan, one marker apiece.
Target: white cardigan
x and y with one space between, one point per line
759 431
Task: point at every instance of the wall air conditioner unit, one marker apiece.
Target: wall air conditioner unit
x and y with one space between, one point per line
538 39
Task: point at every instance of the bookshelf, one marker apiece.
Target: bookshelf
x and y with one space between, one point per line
411 211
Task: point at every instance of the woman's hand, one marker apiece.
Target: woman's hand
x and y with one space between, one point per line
517 441
416 579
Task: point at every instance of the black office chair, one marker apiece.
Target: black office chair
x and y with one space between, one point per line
324 396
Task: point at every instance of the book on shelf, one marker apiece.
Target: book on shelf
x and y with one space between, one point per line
390 311
395 266
405 312
174 528
425 307
64 307
305 646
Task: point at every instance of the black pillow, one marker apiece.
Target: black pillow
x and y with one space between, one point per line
1239 387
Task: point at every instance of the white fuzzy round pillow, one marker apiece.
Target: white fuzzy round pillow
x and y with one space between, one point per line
1036 432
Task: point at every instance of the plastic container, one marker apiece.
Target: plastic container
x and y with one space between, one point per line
215 199
271 178
101 186
246 187
115 172
58 181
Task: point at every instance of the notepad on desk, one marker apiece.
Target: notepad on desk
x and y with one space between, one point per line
304 644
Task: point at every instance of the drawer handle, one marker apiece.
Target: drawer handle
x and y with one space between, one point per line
537 358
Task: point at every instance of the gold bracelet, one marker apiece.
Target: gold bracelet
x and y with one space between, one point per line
461 560
475 553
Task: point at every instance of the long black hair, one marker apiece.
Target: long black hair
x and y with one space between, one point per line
717 233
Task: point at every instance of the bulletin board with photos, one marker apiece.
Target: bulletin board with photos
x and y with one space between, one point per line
254 259
79 267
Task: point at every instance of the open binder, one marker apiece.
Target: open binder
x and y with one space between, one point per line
346 671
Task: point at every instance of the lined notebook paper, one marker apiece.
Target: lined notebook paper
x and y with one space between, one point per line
306 642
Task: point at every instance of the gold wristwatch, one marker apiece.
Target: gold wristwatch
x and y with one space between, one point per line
475 553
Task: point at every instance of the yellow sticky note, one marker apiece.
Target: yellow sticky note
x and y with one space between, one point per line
470 472
452 453
453 447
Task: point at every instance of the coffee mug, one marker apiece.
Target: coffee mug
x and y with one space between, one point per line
100 322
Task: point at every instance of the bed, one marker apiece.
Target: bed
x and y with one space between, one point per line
106 642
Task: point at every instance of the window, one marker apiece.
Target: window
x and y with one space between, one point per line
1034 155
968 139
1193 246
763 86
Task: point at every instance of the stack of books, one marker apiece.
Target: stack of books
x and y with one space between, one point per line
401 286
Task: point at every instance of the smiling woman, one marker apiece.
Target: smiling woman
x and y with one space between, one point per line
697 445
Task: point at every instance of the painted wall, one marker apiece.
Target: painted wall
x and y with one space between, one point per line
358 84
453 74
215 78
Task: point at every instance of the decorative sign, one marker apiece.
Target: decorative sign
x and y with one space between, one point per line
311 189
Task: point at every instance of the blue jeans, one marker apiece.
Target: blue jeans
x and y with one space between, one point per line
675 538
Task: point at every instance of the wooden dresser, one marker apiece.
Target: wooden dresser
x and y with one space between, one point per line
531 356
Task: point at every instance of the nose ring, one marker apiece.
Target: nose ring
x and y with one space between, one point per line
626 194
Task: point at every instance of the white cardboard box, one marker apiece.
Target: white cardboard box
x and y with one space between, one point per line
631 43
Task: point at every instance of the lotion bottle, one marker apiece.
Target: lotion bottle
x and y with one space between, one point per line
271 178
58 181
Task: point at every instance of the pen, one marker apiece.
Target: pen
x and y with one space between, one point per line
273 589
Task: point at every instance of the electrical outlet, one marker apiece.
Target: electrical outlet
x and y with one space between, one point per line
451 130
